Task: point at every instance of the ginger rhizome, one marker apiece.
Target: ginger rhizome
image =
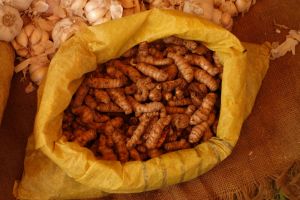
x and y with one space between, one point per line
156 98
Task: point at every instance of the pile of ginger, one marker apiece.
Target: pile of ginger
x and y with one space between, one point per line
156 98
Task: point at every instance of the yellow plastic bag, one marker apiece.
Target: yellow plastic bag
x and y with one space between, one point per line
7 58
56 169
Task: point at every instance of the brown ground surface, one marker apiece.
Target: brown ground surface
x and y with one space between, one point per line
276 114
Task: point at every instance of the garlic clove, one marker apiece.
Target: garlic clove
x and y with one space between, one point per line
35 36
37 49
94 15
45 36
90 6
39 74
116 10
10 23
29 29
226 21
22 39
39 6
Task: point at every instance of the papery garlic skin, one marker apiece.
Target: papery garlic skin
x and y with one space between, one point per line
202 8
39 6
66 28
10 23
18 4
229 7
31 41
95 11
38 74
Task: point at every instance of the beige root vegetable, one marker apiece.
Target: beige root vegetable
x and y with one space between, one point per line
151 71
203 63
171 70
128 70
154 61
180 121
183 66
175 110
171 85
118 96
145 108
181 144
208 80
156 131
101 96
155 94
105 83
108 107
107 152
203 112
10 23
138 132
119 141
197 132
143 88
180 102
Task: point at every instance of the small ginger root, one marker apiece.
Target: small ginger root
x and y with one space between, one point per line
173 146
202 62
107 153
190 110
83 137
175 110
203 112
90 102
155 53
179 93
145 108
163 137
196 100
189 44
181 50
197 132
154 61
108 107
143 88
156 131
143 49
180 102
131 89
134 154
211 118
138 133
101 83
180 121
171 85
128 70
80 94
153 153
199 88
171 70
119 142
101 96
153 72
156 94
183 66
118 96
208 80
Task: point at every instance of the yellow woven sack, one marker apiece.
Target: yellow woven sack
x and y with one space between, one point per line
56 169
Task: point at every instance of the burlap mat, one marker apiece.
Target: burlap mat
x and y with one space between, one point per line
268 146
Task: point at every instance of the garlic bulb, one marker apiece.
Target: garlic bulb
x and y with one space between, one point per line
66 28
217 15
95 11
203 8
73 7
10 23
31 41
229 7
18 4
39 6
38 72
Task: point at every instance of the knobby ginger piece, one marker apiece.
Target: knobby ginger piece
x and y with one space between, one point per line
151 71
181 144
107 153
183 66
118 96
138 133
156 131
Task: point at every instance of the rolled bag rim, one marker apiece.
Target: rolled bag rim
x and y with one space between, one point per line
171 168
